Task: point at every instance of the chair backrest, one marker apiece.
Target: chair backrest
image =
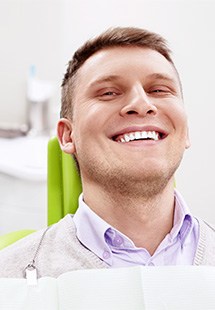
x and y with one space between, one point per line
63 183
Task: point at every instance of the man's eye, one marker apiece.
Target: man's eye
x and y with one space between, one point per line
109 93
159 91
106 95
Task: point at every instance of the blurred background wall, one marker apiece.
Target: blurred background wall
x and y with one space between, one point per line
45 33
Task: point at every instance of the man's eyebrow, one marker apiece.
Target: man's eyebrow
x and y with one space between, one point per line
162 76
117 78
103 79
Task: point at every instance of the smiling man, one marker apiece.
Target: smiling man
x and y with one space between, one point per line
124 120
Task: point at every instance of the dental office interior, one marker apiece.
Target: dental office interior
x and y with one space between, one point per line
38 38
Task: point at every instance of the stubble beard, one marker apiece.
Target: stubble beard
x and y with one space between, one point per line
123 182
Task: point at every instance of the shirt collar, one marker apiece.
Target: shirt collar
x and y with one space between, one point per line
99 237
91 231
183 220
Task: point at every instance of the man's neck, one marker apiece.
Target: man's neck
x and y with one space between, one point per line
145 220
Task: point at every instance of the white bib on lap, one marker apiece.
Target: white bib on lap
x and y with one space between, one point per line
134 288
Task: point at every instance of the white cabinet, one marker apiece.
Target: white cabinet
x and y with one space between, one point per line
23 169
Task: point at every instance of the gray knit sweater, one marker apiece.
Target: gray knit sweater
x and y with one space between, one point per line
59 251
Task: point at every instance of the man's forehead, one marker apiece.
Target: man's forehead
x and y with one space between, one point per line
116 52
113 64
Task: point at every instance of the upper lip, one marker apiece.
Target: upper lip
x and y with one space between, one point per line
130 129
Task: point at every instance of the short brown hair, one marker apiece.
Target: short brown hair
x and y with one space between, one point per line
119 36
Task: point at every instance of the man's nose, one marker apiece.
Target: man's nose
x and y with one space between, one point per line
138 102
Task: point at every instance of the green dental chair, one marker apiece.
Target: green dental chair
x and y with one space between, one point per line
63 186
64 183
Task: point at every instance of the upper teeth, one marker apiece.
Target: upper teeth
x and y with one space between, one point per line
139 135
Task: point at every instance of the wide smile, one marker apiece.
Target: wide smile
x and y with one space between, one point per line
137 135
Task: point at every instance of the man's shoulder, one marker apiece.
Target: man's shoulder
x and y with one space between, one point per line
19 252
206 227
53 231
15 257
205 254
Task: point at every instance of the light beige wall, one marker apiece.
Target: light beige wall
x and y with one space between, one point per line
30 32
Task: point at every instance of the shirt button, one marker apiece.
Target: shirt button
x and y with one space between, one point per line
106 255
118 240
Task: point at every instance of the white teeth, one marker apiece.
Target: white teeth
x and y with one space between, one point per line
126 137
132 136
137 135
140 135
150 134
144 135
156 136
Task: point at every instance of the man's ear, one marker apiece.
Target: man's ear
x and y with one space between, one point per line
64 133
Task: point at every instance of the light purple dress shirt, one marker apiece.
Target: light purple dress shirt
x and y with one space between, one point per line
117 250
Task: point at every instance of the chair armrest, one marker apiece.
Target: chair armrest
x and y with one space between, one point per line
14 236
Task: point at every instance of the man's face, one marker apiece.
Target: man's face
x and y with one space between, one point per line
128 121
